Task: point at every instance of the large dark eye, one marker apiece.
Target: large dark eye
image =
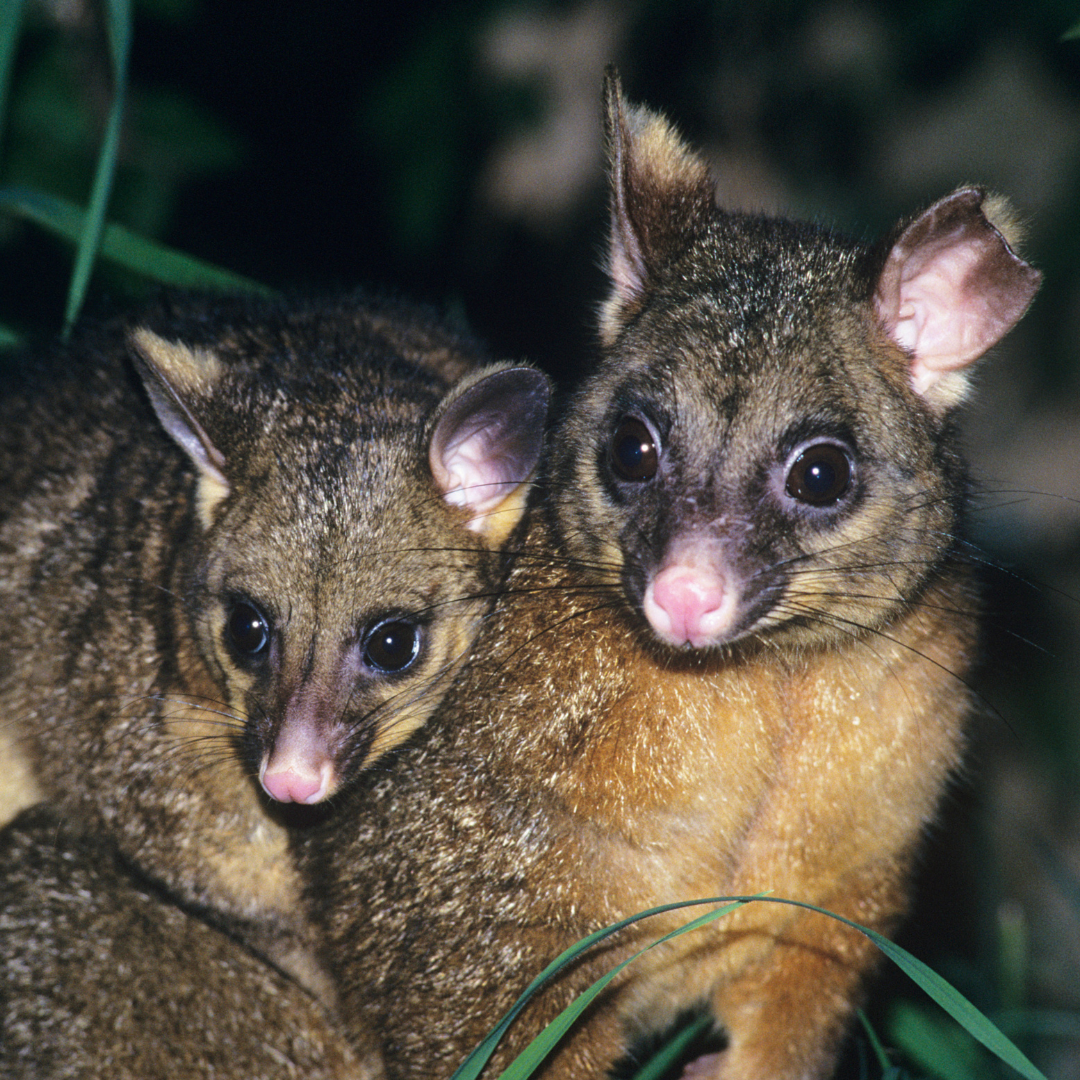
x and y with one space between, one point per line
392 646
634 453
819 475
248 629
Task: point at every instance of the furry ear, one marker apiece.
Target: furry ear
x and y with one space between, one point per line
175 376
486 445
661 194
950 288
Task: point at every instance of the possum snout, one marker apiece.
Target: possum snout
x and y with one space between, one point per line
693 599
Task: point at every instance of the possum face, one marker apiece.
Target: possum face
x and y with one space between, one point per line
758 476
342 552
336 612
766 448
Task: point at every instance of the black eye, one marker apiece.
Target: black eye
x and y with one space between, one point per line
820 475
633 449
248 629
392 646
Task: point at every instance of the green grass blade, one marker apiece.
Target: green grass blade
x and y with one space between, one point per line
875 1043
664 1060
954 1003
118 21
473 1065
529 1059
935 1045
946 996
122 246
10 24
974 1022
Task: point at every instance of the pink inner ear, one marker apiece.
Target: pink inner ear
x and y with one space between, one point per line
941 318
951 287
488 440
474 473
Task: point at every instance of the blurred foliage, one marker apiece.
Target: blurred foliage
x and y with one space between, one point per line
424 147
343 143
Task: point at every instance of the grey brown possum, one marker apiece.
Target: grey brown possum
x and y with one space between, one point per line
730 658
103 976
244 542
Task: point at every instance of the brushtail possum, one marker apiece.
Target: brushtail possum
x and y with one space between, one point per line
730 657
244 543
104 976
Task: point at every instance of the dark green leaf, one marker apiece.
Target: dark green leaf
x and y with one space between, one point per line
123 247
118 22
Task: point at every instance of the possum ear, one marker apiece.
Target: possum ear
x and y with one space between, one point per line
951 287
486 445
661 193
176 378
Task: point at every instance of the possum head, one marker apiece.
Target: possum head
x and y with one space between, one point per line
345 536
767 446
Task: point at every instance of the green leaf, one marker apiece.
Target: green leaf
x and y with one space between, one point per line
122 246
875 1042
664 1060
953 1002
118 24
950 999
10 24
472 1066
934 1044
527 1061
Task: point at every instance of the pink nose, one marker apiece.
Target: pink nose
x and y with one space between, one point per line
298 782
689 605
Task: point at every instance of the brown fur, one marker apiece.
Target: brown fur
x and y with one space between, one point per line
595 788
299 477
582 768
105 976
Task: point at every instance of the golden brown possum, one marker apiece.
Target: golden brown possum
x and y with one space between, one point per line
244 543
730 658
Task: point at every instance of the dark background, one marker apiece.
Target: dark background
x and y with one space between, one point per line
452 152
